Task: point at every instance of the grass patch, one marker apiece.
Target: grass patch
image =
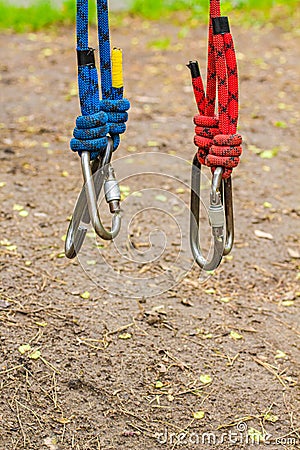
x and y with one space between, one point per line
155 9
249 11
41 14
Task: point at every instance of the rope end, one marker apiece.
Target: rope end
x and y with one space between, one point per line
117 68
194 68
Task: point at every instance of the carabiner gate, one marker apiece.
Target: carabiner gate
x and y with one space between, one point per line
220 214
95 174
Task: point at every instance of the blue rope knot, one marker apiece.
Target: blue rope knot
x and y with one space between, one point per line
116 111
90 134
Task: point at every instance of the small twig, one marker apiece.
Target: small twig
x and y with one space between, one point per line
129 413
237 421
16 444
179 363
32 412
48 364
207 396
20 424
288 326
231 361
11 369
145 431
290 413
269 369
44 283
294 431
63 433
118 330
200 344
161 406
95 347
54 391
190 391
38 335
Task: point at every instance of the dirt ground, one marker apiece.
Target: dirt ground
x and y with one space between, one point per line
130 346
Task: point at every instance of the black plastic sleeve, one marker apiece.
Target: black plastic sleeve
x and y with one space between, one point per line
194 68
220 25
86 57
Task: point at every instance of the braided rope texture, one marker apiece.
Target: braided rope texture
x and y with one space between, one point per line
215 134
99 117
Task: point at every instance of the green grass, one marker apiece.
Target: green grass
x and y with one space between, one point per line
252 11
153 9
42 14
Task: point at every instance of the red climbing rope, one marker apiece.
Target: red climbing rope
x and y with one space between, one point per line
216 138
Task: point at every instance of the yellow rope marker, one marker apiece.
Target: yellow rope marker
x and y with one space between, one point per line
117 67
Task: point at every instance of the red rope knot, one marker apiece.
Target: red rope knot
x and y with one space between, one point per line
215 149
206 129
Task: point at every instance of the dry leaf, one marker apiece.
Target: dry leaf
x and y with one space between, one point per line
152 144
5 242
293 253
161 198
235 335
41 324
91 262
210 291
18 207
280 354
63 420
198 415
225 299
24 348
11 248
263 235
125 336
267 205
271 418
35 354
187 302
269 154
205 379
23 213
287 303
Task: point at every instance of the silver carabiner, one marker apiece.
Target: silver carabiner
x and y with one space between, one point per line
95 174
220 213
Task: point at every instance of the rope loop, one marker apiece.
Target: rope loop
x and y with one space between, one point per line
225 151
215 131
106 117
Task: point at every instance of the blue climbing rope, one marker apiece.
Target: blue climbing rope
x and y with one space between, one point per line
107 116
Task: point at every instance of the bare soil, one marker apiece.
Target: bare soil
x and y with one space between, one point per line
131 346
